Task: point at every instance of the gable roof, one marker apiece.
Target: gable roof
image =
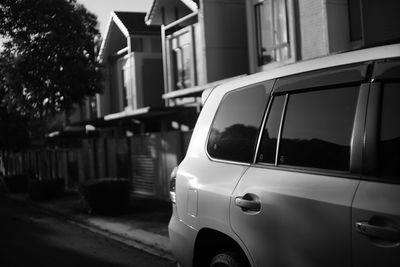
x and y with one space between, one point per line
123 24
153 15
134 23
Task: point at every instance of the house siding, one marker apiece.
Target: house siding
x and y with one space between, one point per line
225 34
313 28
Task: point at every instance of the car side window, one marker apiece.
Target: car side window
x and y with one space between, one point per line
234 132
389 142
317 129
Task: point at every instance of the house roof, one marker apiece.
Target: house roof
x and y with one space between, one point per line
153 16
134 23
122 25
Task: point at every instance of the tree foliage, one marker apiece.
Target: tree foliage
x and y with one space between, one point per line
14 133
49 55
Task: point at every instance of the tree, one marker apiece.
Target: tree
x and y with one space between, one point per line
14 134
49 55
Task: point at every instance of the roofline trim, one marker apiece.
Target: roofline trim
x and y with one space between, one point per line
120 25
190 4
105 40
150 14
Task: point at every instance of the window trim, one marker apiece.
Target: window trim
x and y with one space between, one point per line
370 167
268 86
253 42
258 31
358 132
308 170
387 70
170 61
260 134
331 77
278 142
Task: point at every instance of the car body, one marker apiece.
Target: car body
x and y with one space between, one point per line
297 166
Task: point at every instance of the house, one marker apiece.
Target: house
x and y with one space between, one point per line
284 31
135 140
131 54
204 42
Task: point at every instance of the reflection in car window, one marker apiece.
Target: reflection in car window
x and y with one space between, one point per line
317 129
235 128
389 144
267 149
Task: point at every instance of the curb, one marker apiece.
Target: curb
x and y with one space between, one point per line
154 248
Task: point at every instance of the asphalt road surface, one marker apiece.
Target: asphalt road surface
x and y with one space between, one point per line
31 238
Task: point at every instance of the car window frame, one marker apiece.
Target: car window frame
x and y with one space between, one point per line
355 75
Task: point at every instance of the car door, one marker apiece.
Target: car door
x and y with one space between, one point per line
376 208
293 206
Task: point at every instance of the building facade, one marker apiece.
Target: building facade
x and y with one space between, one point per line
285 31
203 44
131 55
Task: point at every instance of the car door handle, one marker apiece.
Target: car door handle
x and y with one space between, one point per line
246 204
387 233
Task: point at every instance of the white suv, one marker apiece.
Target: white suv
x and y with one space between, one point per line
298 166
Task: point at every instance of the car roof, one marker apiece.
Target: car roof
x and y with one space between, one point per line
357 56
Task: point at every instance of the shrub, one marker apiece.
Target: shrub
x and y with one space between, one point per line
16 183
105 195
46 189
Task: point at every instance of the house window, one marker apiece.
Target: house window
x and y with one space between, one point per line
181 54
125 84
137 45
271 31
355 20
182 67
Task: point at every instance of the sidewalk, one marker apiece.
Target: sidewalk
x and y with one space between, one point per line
143 226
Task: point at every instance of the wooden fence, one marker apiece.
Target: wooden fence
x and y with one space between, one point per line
146 160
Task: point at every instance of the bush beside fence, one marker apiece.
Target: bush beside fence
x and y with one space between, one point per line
106 195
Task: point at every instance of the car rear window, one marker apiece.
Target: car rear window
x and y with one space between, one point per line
234 132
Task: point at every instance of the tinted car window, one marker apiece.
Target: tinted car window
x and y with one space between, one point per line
235 128
317 129
389 143
267 151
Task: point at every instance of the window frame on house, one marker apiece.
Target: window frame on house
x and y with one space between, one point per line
125 83
176 81
256 46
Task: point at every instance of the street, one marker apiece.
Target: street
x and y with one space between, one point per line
29 237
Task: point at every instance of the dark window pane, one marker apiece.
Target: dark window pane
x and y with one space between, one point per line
389 145
355 20
270 134
317 129
235 129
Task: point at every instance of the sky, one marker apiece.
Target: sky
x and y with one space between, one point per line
103 8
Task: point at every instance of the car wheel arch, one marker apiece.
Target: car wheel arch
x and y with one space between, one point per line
210 242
